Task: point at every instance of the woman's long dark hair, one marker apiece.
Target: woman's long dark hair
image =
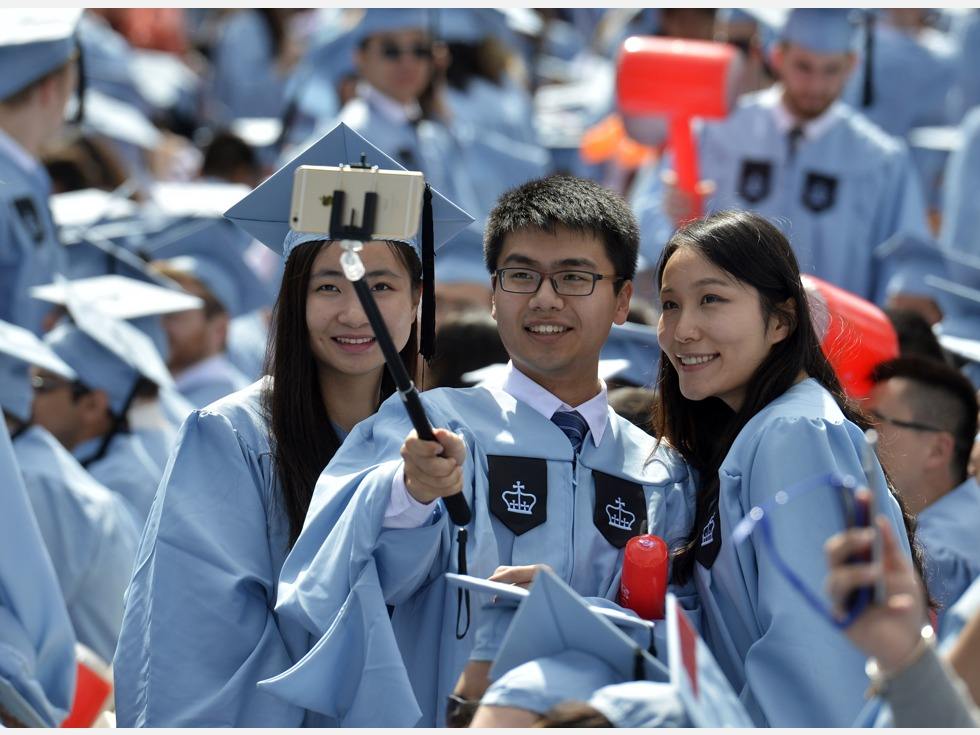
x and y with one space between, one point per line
303 438
753 251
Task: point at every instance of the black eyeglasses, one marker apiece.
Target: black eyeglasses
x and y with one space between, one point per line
46 384
393 52
565 283
914 425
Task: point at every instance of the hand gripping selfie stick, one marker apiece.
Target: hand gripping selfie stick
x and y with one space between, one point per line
352 239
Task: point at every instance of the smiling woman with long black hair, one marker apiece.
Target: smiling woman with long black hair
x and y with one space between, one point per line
200 629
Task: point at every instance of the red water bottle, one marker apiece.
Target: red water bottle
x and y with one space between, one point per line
643 587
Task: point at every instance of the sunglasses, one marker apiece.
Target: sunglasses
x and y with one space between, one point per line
393 52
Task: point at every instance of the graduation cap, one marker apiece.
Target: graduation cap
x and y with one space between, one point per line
107 354
388 20
637 346
822 30
905 260
19 349
461 261
215 255
34 42
118 296
119 120
554 619
264 213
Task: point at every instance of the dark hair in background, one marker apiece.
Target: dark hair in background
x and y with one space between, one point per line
943 397
573 714
915 336
485 59
225 154
275 20
753 251
635 404
465 341
302 436
579 205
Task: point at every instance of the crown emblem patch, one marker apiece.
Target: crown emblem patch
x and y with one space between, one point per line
518 491
620 508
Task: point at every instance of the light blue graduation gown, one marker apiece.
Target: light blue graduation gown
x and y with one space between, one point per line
949 529
89 533
245 82
877 192
126 468
788 665
37 643
247 338
30 253
961 206
199 629
506 109
966 36
345 567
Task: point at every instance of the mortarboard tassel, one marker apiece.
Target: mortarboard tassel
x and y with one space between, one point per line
867 94
428 330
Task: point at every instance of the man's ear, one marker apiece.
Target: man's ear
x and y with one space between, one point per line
218 331
942 447
623 302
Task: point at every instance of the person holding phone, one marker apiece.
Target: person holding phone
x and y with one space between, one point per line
751 402
921 686
199 630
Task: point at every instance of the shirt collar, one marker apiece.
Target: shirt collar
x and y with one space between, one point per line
812 129
395 111
18 154
594 411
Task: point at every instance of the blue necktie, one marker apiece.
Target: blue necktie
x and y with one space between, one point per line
574 426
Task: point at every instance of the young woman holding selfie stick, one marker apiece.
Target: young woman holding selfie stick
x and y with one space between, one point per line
200 628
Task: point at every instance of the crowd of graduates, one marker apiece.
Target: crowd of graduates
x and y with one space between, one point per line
215 503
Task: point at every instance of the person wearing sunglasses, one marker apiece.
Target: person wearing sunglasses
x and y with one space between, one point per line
926 414
751 402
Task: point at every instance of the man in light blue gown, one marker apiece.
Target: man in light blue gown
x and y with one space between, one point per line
37 644
89 532
927 415
376 534
37 76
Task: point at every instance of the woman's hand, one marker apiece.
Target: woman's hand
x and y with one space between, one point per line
519 576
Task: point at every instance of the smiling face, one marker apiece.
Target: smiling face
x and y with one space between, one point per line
553 339
341 337
712 329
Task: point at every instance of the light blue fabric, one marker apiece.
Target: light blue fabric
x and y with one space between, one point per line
788 665
912 80
35 42
877 192
962 611
30 253
961 205
247 338
507 108
641 704
966 36
126 468
37 643
822 30
89 533
948 529
220 379
199 629
343 546
245 81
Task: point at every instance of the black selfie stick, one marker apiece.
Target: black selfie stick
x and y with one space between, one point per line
352 238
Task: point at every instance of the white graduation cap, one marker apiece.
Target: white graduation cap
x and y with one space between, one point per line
34 42
118 296
85 207
19 349
196 198
258 132
119 120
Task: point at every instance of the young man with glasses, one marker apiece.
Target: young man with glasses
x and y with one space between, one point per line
552 475
927 417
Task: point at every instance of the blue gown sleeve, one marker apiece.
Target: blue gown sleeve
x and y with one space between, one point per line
198 630
801 669
37 643
345 568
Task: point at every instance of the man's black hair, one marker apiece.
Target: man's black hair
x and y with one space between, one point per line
943 397
571 203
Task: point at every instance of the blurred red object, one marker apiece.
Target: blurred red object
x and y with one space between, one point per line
93 686
855 334
157 29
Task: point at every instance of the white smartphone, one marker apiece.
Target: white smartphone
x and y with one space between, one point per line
399 199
